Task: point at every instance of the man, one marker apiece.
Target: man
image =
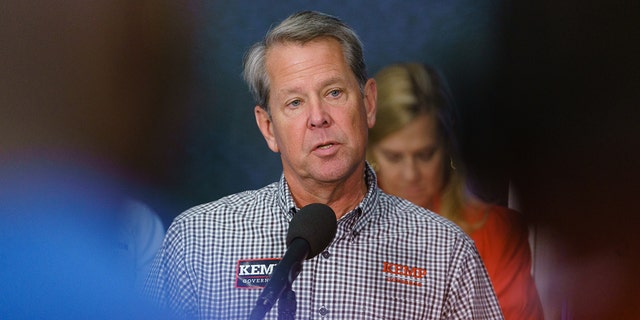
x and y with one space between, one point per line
389 259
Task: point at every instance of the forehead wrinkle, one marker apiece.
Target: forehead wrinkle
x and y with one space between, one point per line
302 69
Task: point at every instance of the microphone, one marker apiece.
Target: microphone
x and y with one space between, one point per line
310 232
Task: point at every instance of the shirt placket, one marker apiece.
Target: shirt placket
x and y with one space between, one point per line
328 266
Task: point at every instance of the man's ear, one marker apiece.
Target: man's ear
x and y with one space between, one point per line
370 100
266 127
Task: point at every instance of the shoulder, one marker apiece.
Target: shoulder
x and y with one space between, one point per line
230 209
139 215
503 235
412 219
505 221
398 208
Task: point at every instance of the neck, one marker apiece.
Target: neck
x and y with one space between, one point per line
341 196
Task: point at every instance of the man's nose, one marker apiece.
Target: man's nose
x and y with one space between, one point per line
319 115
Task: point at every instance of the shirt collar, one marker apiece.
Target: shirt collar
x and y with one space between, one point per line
285 199
366 210
367 205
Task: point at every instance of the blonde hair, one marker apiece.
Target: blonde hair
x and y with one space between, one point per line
406 91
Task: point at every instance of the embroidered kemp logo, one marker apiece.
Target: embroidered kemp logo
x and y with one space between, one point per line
404 274
254 273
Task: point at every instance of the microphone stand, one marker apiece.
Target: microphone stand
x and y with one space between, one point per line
314 224
287 305
281 279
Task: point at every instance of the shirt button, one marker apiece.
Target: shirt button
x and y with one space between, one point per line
326 254
323 311
356 233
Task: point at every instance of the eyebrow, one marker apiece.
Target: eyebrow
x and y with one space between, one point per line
332 80
325 83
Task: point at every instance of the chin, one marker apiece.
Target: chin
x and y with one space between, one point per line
328 175
333 170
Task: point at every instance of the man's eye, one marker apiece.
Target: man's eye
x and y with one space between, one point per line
295 103
335 93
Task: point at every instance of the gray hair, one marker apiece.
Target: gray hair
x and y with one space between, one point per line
301 27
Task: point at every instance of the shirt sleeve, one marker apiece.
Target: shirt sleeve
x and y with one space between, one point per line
471 294
170 284
145 233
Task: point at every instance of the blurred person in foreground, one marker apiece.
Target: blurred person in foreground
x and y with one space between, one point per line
67 250
414 152
390 259
79 101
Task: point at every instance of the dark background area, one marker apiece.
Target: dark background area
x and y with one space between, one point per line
568 117
151 93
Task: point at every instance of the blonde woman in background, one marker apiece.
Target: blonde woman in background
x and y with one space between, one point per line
413 149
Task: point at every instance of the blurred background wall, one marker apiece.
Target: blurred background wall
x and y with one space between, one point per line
103 83
151 92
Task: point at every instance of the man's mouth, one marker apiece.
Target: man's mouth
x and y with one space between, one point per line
325 146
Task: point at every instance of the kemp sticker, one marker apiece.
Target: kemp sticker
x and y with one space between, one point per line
399 273
254 273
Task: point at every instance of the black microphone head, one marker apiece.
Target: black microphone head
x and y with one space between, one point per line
315 223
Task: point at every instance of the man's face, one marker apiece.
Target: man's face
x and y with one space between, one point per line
319 118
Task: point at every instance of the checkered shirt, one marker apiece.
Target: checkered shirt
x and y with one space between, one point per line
389 259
